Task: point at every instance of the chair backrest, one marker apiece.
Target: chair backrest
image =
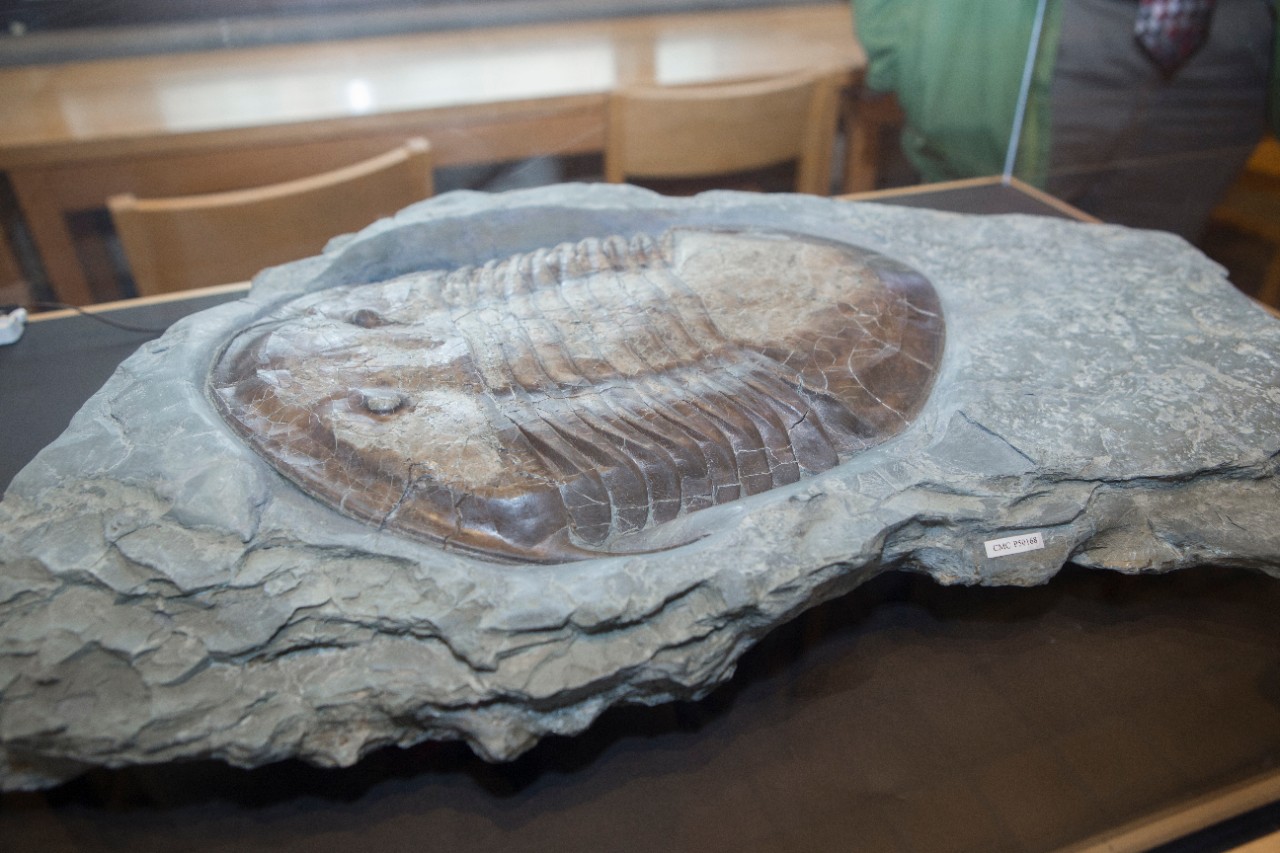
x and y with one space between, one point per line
657 132
199 240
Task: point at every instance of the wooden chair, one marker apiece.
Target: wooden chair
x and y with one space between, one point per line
195 241
13 283
1252 205
867 117
661 133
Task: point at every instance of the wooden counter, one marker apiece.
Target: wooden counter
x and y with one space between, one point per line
73 134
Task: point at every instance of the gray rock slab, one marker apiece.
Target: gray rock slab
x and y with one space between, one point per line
1105 394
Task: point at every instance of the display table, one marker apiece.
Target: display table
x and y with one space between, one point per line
904 716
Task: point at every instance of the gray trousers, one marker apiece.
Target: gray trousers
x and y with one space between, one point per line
1136 149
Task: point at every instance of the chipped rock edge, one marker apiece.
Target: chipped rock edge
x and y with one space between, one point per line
164 595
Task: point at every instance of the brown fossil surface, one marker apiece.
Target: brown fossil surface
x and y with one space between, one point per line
565 403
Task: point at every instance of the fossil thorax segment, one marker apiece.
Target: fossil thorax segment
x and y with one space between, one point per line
560 404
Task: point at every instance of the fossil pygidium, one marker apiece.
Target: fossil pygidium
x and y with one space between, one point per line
564 403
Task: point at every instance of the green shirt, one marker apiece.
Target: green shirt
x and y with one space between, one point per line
956 67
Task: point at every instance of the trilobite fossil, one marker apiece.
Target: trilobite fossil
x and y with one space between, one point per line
565 403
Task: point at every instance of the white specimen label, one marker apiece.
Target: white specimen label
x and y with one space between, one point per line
1014 544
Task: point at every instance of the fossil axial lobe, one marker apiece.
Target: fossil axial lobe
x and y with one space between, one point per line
563 404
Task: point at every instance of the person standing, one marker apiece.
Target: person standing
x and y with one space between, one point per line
1127 131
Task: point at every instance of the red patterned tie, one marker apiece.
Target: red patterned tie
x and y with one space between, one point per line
1172 30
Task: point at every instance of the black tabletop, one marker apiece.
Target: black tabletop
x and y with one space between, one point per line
904 716
58 364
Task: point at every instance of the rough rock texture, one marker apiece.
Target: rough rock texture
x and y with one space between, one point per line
165 594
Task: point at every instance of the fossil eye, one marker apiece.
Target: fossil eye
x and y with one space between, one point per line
382 401
366 318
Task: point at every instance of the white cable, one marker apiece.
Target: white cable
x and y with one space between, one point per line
11 325
1020 112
